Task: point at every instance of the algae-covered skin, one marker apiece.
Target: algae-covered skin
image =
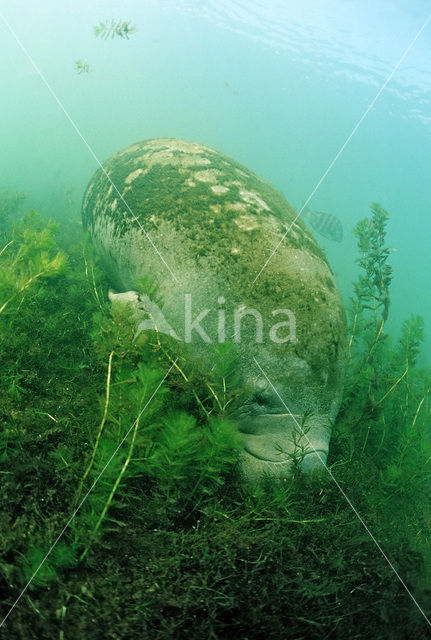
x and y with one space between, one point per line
213 224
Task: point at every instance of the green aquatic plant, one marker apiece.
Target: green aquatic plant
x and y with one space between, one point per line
223 380
81 66
30 255
369 308
115 28
371 301
183 455
378 370
125 432
9 205
168 542
44 362
383 425
42 570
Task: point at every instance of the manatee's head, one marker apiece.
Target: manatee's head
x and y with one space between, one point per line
283 431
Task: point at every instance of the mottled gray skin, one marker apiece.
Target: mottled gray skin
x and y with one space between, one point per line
216 223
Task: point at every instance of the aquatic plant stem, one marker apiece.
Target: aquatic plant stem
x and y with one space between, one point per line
377 337
368 429
371 349
6 246
21 289
355 320
101 426
394 385
215 397
96 294
181 372
419 407
114 488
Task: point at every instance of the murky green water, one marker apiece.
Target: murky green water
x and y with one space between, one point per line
276 85
330 103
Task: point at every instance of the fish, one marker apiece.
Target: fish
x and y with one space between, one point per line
326 224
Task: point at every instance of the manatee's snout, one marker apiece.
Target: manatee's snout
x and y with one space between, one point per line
276 439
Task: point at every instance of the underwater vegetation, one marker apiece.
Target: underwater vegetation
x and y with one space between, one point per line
9 205
81 66
115 28
135 441
105 30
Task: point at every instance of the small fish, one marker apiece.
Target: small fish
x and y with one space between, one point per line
326 224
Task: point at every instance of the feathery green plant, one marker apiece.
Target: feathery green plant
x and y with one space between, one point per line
173 544
31 254
371 301
120 28
183 455
9 205
44 571
376 368
383 420
82 66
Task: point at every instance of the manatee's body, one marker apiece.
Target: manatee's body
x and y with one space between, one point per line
214 224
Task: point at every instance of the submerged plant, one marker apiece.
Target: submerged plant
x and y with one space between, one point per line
115 28
371 301
9 205
42 570
130 417
28 257
81 66
171 544
381 417
183 455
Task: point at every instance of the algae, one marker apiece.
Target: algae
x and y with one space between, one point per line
162 182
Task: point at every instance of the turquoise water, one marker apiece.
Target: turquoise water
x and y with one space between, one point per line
278 85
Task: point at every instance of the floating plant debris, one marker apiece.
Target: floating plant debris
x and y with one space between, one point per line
120 28
81 66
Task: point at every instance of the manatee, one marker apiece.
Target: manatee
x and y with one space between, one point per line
205 226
